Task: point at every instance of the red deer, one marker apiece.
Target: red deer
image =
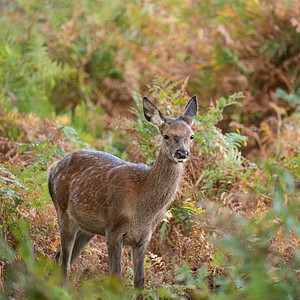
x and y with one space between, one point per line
97 193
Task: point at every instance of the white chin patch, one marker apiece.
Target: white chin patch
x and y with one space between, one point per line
180 160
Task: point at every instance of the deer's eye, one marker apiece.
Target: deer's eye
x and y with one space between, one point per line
192 136
166 137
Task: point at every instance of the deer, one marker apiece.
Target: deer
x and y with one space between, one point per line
96 193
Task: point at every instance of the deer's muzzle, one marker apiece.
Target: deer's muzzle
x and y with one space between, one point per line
182 154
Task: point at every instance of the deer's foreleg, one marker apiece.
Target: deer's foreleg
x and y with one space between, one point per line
114 246
138 255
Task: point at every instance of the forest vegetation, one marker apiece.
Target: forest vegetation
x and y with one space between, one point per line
72 76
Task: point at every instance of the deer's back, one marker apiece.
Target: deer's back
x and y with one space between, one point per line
78 182
93 187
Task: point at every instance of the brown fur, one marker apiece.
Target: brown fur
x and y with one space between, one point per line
97 193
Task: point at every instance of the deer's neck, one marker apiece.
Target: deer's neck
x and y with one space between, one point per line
161 183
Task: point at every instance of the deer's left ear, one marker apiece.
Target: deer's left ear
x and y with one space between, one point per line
190 111
152 114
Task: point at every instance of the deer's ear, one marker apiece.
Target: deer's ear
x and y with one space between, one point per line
152 114
190 111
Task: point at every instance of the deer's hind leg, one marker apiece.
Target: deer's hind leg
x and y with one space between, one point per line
81 240
68 233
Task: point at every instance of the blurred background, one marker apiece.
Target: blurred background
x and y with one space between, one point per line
81 60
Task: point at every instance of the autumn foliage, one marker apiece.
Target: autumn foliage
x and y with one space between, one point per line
72 74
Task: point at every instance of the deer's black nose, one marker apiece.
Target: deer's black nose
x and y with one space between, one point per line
182 154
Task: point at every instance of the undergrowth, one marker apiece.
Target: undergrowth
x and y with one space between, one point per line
234 231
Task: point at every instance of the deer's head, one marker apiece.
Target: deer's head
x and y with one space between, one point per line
176 133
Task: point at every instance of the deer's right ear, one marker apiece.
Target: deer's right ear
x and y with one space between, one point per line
152 114
190 111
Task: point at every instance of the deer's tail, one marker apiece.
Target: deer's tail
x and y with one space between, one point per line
50 168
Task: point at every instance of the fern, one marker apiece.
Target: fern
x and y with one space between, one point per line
221 150
293 97
28 72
